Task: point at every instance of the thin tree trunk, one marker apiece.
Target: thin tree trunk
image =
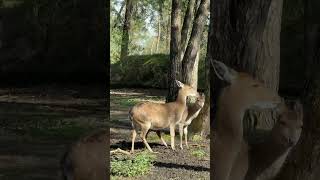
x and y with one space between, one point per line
304 161
126 29
174 68
190 55
159 26
186 27
119 15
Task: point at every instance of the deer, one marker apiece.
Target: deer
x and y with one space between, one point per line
263 163
86 158
156 116
191 112
240 93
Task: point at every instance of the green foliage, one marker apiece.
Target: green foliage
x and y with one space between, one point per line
64 132
146 70
132 166
199 153
196 138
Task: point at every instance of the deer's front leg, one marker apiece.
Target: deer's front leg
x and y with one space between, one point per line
225 153
172 134
181 134
185 131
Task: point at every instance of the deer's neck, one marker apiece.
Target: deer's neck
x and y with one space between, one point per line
229 116
181 99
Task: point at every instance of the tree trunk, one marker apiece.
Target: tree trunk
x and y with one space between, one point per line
239 30
190 55
126 29
202 122
174 68
185 27
159 26
267 66
304 161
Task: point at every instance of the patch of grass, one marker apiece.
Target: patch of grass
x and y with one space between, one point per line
137 165
196 138
199 153
152 136
65 132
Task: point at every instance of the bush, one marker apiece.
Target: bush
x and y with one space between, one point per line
145 71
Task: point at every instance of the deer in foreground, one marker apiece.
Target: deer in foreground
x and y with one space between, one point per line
192 111
265 163
241 93
156 116
86 159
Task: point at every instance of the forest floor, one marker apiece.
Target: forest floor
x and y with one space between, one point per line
38 123
169 164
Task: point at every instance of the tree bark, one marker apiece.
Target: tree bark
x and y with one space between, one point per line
186 27
188 62
159 26
174 67
266 67
304 161
126 29
238 37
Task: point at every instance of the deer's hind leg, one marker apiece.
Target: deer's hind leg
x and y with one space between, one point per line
144 130
163 142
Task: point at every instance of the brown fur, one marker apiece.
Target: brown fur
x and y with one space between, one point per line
156 116
265 163
86 159
190 114
241 93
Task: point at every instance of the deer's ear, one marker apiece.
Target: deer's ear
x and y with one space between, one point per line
179 84
223 72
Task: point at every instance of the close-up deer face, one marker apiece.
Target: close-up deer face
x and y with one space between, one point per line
244 89
288 128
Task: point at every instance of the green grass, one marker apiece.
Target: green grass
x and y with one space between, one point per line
196 138
199 153
65 132
137 165
153 137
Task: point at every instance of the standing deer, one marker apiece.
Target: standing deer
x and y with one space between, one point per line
156 116
87 158
265 163
241 93
190 114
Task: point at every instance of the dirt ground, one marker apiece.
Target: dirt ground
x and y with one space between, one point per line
38 123
179 164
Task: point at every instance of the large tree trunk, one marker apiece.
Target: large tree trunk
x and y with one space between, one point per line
188 62
304 161
266 66
239 30
174 68
126 29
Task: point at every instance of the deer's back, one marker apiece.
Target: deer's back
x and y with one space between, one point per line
158 114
